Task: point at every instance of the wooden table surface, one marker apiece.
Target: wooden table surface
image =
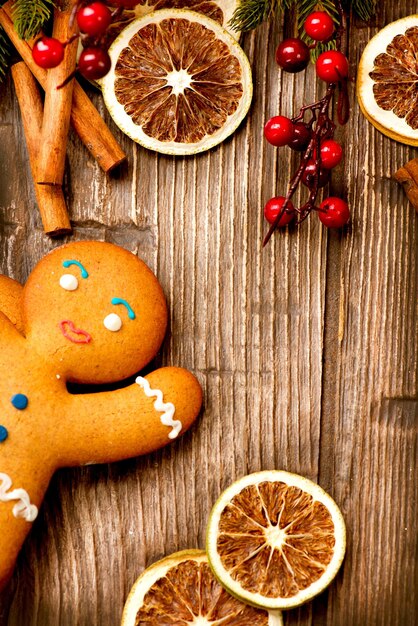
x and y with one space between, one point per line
307 353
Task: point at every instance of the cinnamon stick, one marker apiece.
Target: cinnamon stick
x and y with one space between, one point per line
50 198
57 107
85 118
408 177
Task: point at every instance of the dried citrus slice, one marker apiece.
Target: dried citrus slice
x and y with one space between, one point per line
219 10
387 83
275 539
181 590
179 83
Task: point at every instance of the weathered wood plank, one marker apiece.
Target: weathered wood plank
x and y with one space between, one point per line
369 426
255 326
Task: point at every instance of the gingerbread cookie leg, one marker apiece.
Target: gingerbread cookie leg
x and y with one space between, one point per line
22 488
141 418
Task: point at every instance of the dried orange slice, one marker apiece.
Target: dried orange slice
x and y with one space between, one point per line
219 10
179 83
387 83
275 539
181 590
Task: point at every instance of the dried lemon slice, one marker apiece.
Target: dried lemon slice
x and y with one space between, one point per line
275 539
219 10
181 590
179 83
387 83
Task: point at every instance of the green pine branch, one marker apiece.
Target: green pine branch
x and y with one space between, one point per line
29 16
365 9
305 8
251 13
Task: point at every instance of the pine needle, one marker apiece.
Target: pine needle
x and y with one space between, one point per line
365 9
29 16
251 13
4 54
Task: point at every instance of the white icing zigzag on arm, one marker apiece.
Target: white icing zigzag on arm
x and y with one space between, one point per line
166 408
23 508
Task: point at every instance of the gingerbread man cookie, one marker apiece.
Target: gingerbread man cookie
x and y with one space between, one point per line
92 313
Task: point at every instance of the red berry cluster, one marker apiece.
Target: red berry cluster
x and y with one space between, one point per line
93 20
313 137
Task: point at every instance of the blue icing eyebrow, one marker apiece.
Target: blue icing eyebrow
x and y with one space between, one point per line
84 273
128 306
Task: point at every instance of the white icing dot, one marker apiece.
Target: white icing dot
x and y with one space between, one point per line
58 376
68 282
112 322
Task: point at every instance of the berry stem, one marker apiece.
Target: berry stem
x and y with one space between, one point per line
323 127
68 79
342 25
343 104
73 37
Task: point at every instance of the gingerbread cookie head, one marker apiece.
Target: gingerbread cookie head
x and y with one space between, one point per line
94 311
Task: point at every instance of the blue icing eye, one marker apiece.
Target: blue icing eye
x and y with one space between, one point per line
131 314
20 401
69 262
3 434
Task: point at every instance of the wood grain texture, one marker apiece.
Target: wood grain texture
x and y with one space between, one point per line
307 352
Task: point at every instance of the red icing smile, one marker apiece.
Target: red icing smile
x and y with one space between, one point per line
76 335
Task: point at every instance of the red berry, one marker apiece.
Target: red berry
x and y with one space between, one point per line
273 208
279 130
292 55
94 63
332 66
331 153
335 212
319 26
301 137
308 176
48 52
93 19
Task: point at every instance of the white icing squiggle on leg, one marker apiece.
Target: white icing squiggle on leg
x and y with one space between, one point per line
166 408
23 508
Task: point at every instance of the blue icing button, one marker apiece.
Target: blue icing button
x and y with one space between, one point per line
3 434
20 401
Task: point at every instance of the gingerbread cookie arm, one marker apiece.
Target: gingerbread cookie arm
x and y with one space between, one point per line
141 418
11 301
9 333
